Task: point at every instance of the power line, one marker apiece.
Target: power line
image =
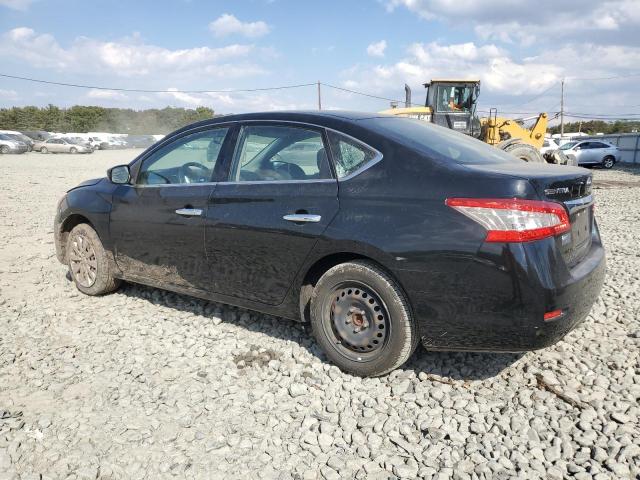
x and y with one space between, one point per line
137 90
368 94
627 75
540 95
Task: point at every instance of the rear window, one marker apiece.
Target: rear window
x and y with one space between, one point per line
438 142
349 155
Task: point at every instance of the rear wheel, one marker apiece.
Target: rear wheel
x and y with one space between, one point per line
4 149
73 150
525 152
88 263
608 162
361 319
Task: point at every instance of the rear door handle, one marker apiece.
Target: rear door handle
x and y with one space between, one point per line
189 212
302 218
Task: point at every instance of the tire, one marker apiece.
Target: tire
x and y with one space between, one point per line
4 149
608 162
525 152
362 320
89 265
73 150
44 150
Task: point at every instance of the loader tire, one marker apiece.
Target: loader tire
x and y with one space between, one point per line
525 152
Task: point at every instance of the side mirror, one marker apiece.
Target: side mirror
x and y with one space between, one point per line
119 174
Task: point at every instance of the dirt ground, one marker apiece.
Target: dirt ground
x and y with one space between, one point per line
149 384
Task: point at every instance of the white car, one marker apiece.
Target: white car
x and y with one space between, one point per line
592 152
549 145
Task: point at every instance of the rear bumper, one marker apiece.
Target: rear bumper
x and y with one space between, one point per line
497 300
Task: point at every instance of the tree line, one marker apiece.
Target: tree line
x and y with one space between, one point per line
81 119
591 127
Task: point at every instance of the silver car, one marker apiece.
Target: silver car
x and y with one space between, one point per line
592 152
12 145
60 145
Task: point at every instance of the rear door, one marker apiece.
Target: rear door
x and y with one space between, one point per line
262 223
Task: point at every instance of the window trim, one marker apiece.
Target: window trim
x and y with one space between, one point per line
257 122
168 141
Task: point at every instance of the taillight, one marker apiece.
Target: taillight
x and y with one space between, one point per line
514 220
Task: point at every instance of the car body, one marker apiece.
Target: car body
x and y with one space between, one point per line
548 145
61 145
592 152
20 137
11 144
253 219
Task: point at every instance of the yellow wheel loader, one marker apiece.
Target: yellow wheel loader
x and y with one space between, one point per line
452 104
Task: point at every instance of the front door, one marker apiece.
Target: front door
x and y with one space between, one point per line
157 224
264 221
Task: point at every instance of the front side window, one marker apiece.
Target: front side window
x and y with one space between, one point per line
349 154
279 153
189 159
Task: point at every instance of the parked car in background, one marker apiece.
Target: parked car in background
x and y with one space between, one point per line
398 231
60 145
592 152
20 137
36 135
549 145
139 141
9 144
79 141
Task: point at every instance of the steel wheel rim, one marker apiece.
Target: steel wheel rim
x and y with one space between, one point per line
356 321
82 261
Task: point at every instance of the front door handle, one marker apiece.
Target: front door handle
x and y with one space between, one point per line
189 212
302 218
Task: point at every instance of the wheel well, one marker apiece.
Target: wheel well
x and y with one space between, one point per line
69 223
317 270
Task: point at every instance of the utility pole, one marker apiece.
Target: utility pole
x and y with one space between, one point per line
562 109
319 97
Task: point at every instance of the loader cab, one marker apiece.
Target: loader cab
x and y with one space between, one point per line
453 104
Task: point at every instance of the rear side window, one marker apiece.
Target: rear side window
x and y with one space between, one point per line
438 142
350 155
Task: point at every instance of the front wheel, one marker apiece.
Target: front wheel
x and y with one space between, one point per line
44 150
362 320
608 162
88 263
73 150
4 149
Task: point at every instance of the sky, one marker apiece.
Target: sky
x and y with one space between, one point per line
519 49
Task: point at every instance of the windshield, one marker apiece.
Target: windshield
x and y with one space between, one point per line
454 98
569 145
438 142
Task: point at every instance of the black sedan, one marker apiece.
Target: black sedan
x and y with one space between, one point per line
379 231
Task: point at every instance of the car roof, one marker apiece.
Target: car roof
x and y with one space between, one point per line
325 118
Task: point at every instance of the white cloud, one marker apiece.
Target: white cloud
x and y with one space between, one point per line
106 95
16 4
8 94
526 22
228 24
508 82
377 49
129 57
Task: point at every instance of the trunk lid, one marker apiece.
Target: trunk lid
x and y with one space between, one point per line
570 186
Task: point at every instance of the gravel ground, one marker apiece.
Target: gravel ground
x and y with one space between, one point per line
149 384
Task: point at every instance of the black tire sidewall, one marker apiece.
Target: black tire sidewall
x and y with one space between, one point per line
104 280
401 334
